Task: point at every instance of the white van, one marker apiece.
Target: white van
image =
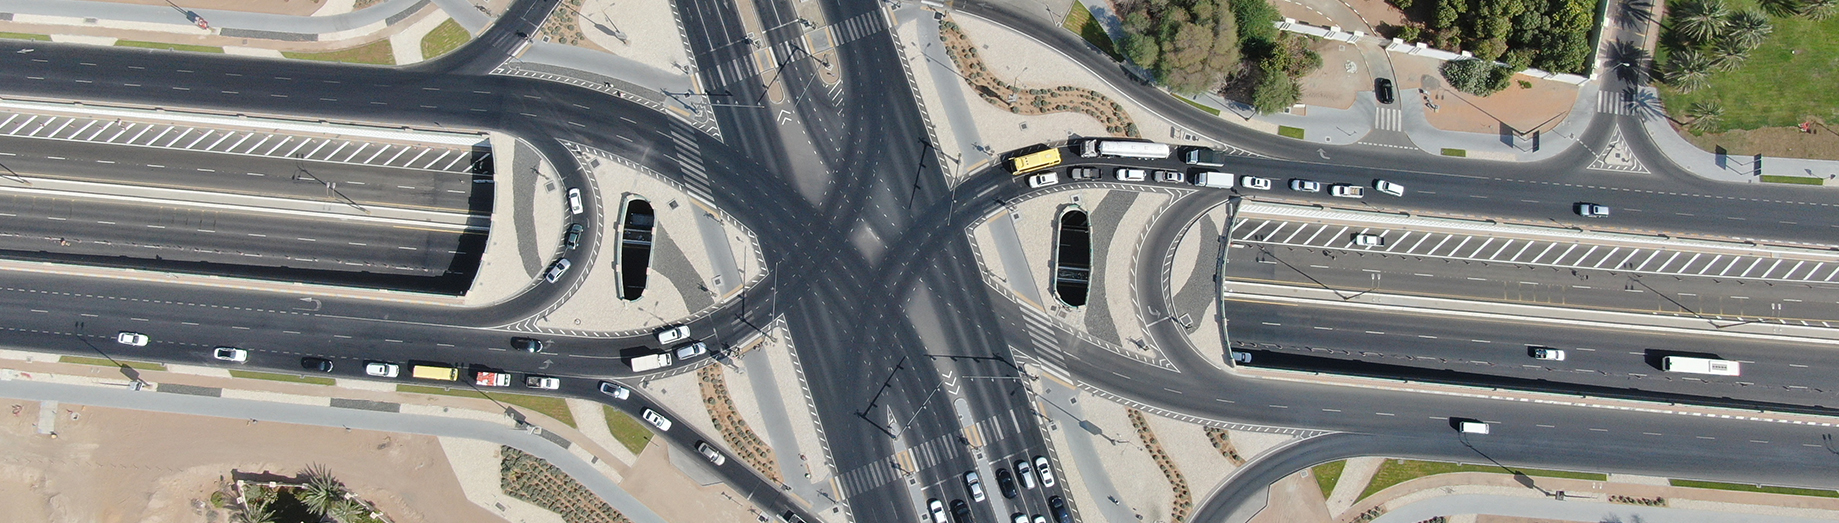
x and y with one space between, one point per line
1217 180
1469 426
1710 366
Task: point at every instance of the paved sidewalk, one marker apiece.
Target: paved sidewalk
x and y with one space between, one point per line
229 23
1060 398
1737 168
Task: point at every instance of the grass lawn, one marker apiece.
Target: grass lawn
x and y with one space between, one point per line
552 407
1198 105
1395 471
249 374
1327 474
1786 80
445 37
628 431
164 45
378 52
1803 180
1754 488
142 365
1080 20
1290 132
25 36
1459 153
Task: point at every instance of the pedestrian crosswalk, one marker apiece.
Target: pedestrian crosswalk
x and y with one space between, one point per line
1389 119
1045 337
689 158
927 454
858 26
819 40
1613 102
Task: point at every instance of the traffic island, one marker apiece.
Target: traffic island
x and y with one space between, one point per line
732 426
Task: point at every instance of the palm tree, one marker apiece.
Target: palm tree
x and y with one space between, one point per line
1783 8
345 510
1748 29
1688 70
1728 56
1643 103
1700 20
1635 12
1630 61
321 492
1819 9
1705 115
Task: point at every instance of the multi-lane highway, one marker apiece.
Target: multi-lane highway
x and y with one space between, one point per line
902 344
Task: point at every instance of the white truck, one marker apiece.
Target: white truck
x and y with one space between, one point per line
651 362
492 379
1123 149
1715 367
1347 191
1217 180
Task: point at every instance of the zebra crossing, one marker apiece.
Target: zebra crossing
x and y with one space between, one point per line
1389 119
817 41
927 454
689 158
457 159
1613 102
1045 337
857 27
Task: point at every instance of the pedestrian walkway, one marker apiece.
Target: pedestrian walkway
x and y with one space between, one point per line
1556 510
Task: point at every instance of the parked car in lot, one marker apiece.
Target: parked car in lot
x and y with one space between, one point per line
1171 177
382 369
655 419
1255 182
617 391
557 269
1131 175
231 354
574 200
1388 187
1545 353
133 339
674 334
1082 173
1043 180
1591 210
1369 240
1301 185
714 456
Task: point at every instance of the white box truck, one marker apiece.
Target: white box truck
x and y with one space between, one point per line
1124 149
651 362
1217 180
1692 365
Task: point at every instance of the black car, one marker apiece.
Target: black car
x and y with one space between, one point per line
1058 506
528 344
573 238
960 511
1005 483
1382 89
318 364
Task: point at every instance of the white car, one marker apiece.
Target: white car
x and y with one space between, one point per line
709 452
574 200
674 334
937 508
1470 426
1018 518
381 369
1171 177
975 484
1131 175
1388 187
1026 472
1043 180
1047 472
657 420
1369 240
542 382
133 339
1546 353
618 392
1591 210
1301 185
1254 182
556 270
692 350
230 354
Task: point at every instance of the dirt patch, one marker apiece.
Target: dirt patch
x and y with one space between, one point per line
1343 73
531 479
1781 142
1184 498
113 465
748 446
1534 104
1059 99
280 7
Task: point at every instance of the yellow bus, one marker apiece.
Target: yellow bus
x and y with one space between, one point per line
1027 163
431 372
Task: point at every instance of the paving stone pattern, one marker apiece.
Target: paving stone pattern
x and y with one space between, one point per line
1197 294
1184 498
1105 218
668 261
747 445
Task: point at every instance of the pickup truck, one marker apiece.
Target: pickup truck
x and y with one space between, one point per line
492 379
1347 191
